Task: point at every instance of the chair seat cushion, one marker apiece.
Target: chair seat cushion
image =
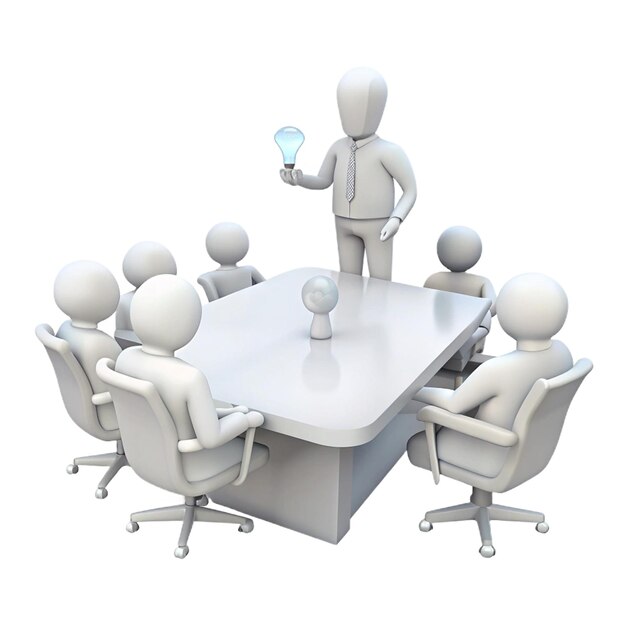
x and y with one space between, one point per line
468 453
205 464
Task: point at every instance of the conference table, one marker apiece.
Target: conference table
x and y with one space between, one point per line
333 408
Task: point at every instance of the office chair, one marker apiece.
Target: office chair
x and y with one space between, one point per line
83 406
151 443
509 457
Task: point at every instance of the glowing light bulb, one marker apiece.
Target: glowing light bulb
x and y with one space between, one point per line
289 140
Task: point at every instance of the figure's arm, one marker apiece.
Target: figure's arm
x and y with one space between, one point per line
478 388
257 277
323 180
489 292
221 412
397 164
209 287
480 333
211 432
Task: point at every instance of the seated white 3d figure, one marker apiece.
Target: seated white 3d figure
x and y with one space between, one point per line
531 308
165 314
143 261
87 293
227 244
459 248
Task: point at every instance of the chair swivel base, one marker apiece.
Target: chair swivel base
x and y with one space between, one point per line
189 512
113 460
481 509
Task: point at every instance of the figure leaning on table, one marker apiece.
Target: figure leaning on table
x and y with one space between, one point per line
363 168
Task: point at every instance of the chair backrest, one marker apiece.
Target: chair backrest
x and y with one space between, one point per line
73 384
147 428
538 424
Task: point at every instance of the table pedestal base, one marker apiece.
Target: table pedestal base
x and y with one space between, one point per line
316 489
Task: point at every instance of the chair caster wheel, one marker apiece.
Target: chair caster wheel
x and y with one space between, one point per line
246 527
72 469
101 493
132 527
181 552
425 526
542 528
487 551
202 501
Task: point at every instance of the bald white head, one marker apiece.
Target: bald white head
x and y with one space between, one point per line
459 248
532 308
165 314
227 243
86 292
145 260
361 97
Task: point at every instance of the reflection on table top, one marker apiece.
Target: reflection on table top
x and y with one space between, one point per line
388 340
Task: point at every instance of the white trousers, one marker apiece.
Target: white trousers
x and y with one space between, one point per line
358 237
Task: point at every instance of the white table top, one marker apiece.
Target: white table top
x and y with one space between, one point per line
388 341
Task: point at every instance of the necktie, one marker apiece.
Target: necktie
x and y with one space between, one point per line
351 172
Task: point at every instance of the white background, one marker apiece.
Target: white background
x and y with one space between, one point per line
125 121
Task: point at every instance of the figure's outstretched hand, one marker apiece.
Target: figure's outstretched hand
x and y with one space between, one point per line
390 228
291 177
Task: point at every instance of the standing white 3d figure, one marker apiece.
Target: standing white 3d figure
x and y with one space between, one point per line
531 309
88 293
227 244
459 248
165 314
362 168
143 261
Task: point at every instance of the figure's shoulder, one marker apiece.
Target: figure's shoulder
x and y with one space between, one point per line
185 372
128 357
339 145
388 148
439 280
65 330
562 353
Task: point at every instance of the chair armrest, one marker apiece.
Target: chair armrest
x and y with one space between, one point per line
104 397
468 426
247 453
471 426
189 445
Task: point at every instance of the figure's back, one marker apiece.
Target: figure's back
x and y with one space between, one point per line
89 345
505 381
171 377
512 376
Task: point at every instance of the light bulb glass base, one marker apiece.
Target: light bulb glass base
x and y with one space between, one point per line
289 166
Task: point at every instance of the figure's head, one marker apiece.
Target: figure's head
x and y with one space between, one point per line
459 248
361 97
227 243
86 292
165 312
532 307
145 260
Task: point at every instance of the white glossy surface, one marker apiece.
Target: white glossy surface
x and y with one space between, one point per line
388 340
